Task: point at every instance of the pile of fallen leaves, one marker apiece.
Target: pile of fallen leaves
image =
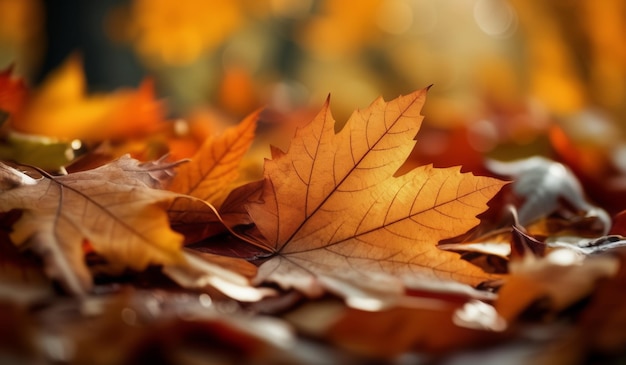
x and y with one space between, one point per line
343 251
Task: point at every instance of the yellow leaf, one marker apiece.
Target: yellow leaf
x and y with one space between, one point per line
178 32
60 109
333 213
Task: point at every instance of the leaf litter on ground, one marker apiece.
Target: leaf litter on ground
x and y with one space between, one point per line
332 217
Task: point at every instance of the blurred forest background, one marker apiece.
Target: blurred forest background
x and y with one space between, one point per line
504 71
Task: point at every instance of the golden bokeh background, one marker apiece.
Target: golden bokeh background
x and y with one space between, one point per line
519 63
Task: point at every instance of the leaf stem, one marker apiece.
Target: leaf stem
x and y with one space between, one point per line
248 240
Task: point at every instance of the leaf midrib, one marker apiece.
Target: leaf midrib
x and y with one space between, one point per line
352 169
101 207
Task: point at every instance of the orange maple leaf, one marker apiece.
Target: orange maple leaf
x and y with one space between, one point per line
208 177
60 109
334 216
215 164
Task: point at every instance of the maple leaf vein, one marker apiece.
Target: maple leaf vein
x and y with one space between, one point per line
356 163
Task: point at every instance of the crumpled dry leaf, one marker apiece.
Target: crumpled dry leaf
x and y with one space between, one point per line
231 276
429 327
119 211
114 207
587 246
542 183
544 234
334 216
496 243
593 147
561 278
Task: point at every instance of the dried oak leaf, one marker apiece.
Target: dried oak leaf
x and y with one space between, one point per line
334 216
114 207
544 185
